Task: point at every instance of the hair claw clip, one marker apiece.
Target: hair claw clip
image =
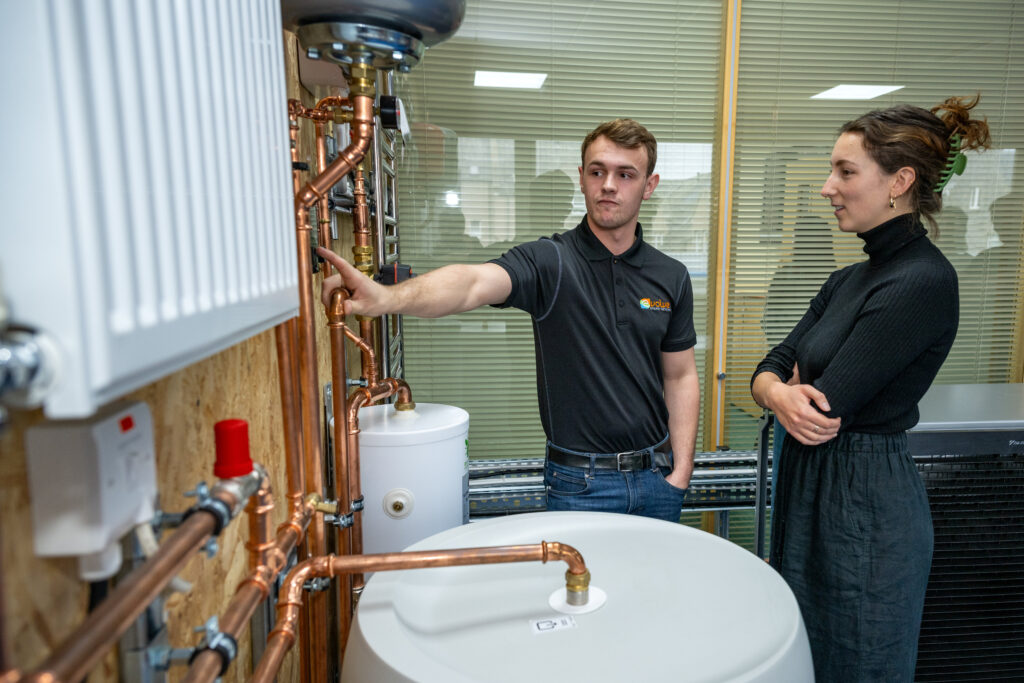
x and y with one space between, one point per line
956 162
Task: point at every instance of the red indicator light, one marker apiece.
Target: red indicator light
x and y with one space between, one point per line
127 424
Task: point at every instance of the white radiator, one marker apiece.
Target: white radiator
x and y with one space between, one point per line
145 192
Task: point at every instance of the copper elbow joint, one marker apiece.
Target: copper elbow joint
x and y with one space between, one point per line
403 395
336 308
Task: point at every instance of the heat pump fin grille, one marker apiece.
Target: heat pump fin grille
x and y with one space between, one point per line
973 625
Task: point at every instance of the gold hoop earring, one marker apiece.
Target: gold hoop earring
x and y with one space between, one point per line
892 202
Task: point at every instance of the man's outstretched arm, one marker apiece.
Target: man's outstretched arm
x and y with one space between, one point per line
451 289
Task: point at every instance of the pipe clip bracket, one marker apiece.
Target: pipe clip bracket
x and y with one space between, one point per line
224 644
166 520
162 658
219 509
317 585
340 521
357 504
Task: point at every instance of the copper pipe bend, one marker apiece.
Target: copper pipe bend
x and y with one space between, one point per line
332 102
336 307
283 637
362 136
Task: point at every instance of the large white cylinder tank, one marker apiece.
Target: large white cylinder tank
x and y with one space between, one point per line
679 605
413 472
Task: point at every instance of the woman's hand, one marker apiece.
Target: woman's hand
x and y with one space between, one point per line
792 405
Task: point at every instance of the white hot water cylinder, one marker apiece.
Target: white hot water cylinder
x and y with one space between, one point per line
667 603
414 473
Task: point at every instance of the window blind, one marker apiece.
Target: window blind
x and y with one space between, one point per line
784 239
488 168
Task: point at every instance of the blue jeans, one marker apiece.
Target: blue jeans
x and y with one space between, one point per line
637 492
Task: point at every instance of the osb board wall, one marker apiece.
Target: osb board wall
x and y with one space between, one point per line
43 599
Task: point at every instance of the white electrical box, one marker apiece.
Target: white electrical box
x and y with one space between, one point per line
90 482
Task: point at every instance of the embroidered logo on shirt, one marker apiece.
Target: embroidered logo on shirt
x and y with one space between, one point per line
656 305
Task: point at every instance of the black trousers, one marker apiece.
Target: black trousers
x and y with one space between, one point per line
852 536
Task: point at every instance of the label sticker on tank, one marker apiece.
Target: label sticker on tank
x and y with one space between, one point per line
539 626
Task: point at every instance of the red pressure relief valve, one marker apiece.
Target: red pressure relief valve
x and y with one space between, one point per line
232 444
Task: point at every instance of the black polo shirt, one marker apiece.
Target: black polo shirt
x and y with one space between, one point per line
600 324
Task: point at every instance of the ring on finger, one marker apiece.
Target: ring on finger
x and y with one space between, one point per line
817 429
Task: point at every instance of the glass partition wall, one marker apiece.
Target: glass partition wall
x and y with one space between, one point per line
488 167
784 237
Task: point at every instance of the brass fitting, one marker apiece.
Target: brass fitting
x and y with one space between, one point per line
410 405
363 80
342 115
329 507
362 259
577 588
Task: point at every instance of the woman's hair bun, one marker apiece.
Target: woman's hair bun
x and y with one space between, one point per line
955 112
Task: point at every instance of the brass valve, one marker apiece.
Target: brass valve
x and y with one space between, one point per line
363 80
577 588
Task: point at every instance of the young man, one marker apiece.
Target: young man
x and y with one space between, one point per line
613 329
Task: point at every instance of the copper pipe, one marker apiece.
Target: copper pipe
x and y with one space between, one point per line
362 94
342 457
347 432
358 399
295 110
367 330
323 211
331 102
252 591
312 455
362 255
287 359
4 672
362 249
261 525
283 636
284 335
369 357
296 495
362 135
403 394
73 659
309 406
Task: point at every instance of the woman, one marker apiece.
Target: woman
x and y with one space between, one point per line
852 532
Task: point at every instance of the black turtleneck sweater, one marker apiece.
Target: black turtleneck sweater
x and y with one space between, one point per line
878 331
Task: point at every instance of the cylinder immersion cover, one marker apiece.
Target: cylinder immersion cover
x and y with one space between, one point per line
398 503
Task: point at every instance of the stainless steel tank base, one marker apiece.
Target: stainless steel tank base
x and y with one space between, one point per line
388 33
345 43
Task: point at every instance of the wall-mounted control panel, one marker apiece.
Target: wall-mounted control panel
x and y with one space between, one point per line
90 482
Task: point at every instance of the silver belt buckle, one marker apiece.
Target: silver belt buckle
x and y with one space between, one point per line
618 459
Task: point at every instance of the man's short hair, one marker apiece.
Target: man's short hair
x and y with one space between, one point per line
625 133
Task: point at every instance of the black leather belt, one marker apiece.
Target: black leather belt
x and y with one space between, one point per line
623 462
